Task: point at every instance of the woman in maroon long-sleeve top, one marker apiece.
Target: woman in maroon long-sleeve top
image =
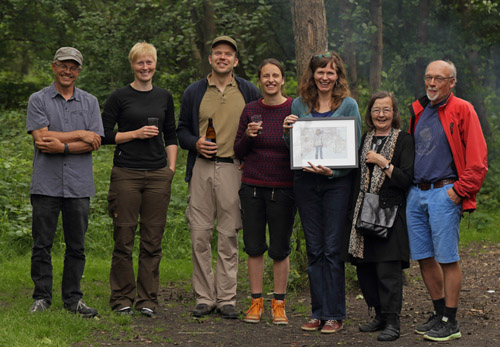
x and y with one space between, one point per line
266 191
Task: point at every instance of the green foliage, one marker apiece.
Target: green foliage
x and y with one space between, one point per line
14 91
15 169
105 31
297 278
488 200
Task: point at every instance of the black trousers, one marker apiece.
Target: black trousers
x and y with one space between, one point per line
382 285
75 216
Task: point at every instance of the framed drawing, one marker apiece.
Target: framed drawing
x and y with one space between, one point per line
331 142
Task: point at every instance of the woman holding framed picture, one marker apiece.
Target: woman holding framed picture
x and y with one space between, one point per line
323 194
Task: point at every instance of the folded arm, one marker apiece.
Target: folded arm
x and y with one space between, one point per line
78 141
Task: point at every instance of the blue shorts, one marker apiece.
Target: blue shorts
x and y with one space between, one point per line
433 222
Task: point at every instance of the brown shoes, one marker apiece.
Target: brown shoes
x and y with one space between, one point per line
328 327
313 325
332 326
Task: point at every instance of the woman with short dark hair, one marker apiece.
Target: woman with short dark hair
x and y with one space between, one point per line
386 168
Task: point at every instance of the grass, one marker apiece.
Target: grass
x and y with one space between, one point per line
57 327
480 226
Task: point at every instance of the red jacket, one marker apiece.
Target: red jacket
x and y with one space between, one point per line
465 137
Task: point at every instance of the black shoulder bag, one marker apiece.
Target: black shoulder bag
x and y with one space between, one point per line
373 220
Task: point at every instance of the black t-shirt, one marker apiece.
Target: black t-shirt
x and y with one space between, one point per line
130 109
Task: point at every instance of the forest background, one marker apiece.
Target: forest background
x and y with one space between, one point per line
385 45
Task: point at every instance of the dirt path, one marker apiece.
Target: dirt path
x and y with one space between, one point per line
479 316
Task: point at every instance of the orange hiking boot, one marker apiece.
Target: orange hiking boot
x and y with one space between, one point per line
255 311
279 314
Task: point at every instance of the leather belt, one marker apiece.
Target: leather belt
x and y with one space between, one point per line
218 159
438 184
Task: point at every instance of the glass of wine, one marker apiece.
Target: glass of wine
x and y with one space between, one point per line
256 118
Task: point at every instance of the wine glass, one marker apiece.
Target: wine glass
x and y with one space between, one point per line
256 118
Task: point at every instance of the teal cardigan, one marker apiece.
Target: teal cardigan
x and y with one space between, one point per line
348 108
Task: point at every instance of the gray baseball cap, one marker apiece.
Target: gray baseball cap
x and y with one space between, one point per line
69 53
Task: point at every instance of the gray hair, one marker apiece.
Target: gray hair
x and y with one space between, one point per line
453 69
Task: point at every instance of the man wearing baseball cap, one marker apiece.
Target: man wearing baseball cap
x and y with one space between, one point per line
66 126
214 176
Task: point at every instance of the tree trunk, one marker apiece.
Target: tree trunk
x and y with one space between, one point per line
204 18
376 46
422 39
350 59
310 31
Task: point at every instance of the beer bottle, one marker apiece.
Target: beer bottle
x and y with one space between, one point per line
210 134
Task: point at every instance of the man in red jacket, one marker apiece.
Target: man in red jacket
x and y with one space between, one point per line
450 166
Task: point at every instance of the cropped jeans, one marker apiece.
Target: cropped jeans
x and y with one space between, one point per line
323 205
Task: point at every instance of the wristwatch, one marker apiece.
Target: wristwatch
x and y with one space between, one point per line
387 166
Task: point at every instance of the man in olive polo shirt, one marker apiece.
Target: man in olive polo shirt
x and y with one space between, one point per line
214 176
66 126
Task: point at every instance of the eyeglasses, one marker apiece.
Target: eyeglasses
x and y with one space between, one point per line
326 55
65 67
385 111
438 79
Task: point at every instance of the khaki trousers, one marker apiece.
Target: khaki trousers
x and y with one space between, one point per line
213 195
133 193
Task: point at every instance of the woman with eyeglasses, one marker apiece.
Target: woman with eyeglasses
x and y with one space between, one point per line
386 168
139 191
322 195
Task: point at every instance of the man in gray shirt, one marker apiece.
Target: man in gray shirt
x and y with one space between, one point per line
66 126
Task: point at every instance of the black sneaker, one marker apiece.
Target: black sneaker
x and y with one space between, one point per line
40 305
228 312
125 311
147 312
427 326
390 333
201 310
375 325
444 331
82 309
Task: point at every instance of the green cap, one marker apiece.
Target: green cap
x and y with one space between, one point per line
225 39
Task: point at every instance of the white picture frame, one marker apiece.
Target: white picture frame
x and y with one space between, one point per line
330 142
